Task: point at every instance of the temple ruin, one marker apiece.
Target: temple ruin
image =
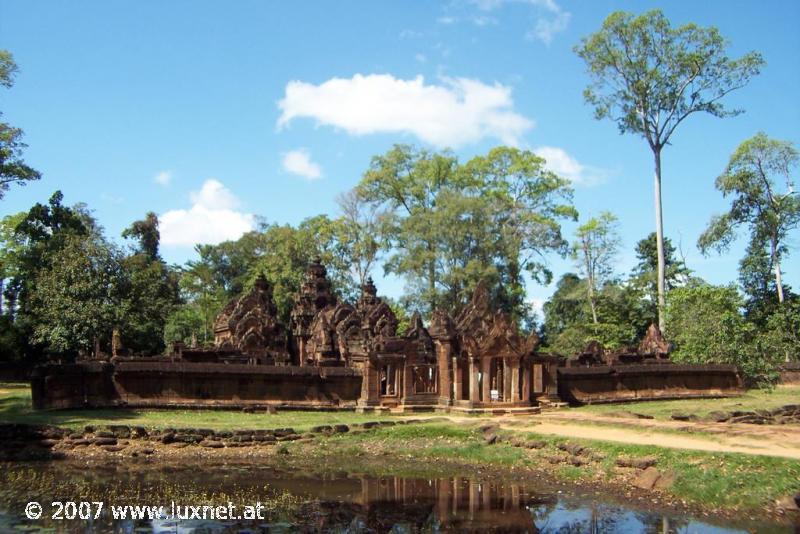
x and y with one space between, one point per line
338 355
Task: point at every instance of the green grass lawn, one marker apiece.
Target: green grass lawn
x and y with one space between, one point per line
754 399
15 407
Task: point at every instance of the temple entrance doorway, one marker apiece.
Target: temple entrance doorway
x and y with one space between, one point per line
496 372
424 378
388 380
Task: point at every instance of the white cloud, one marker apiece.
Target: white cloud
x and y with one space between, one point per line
422 58
211 219
455 113
299 162
561 163
447 20
550 17
163 178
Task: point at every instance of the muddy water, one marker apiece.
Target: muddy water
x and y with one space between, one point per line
291 500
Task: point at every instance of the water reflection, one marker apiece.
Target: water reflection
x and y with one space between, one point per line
345 503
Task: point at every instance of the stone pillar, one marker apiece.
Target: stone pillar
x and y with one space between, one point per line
486 367
515 381
507 372
526 382
474 395
444 360
458 386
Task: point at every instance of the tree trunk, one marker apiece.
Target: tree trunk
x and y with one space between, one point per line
660 243
432 279
776 260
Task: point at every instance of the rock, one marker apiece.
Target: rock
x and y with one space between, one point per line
179 445
789 503
264 438
718 417
647 479
168 438
104 434
76 435
81 442
341 428
105 441
678 416
49 443
113 448
120 431
666 480
573 448
212 444
321 429
490 438
577 462
146 450
535 444
278 432
88 429
138 432
205 432
290 437
369 424
643 462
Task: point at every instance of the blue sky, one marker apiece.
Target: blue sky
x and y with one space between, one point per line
209 113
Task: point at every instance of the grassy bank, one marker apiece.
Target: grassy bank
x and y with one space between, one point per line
754 399
15 407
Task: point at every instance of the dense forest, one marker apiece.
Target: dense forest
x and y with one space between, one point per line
443 225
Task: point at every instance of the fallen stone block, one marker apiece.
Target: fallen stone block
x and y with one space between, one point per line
647 479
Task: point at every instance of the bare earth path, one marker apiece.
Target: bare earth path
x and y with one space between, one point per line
763 440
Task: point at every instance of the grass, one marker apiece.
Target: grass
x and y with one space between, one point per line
15 407
754 399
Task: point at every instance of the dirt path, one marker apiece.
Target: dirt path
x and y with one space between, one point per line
763 440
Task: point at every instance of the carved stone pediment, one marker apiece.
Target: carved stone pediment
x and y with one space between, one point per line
654 345
250 324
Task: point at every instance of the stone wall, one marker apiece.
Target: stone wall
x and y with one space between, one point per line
616 383
790 373
180 384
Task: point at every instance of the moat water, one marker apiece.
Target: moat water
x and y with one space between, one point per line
338 501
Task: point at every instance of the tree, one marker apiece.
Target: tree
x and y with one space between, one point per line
77 298
448 225
649 77
12 167
526 204
758 178
359 233
707 327
644 276
594 252
147 234
406 182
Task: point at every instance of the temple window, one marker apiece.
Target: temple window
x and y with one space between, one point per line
424 378
388 380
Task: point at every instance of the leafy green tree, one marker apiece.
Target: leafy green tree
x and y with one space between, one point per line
594 251
648 77
359 233
13 168
150 289
781 334
644 277
524 206
201 291
184 324
406 182
706 326
147 234
448 226
77 298
758 178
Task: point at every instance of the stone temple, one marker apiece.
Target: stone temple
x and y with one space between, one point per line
340 355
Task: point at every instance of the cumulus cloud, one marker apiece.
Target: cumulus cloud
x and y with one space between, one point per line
456 112
299 162
211 219
163 178
561 163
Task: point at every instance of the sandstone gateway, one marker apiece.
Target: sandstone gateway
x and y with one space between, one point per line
337 355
